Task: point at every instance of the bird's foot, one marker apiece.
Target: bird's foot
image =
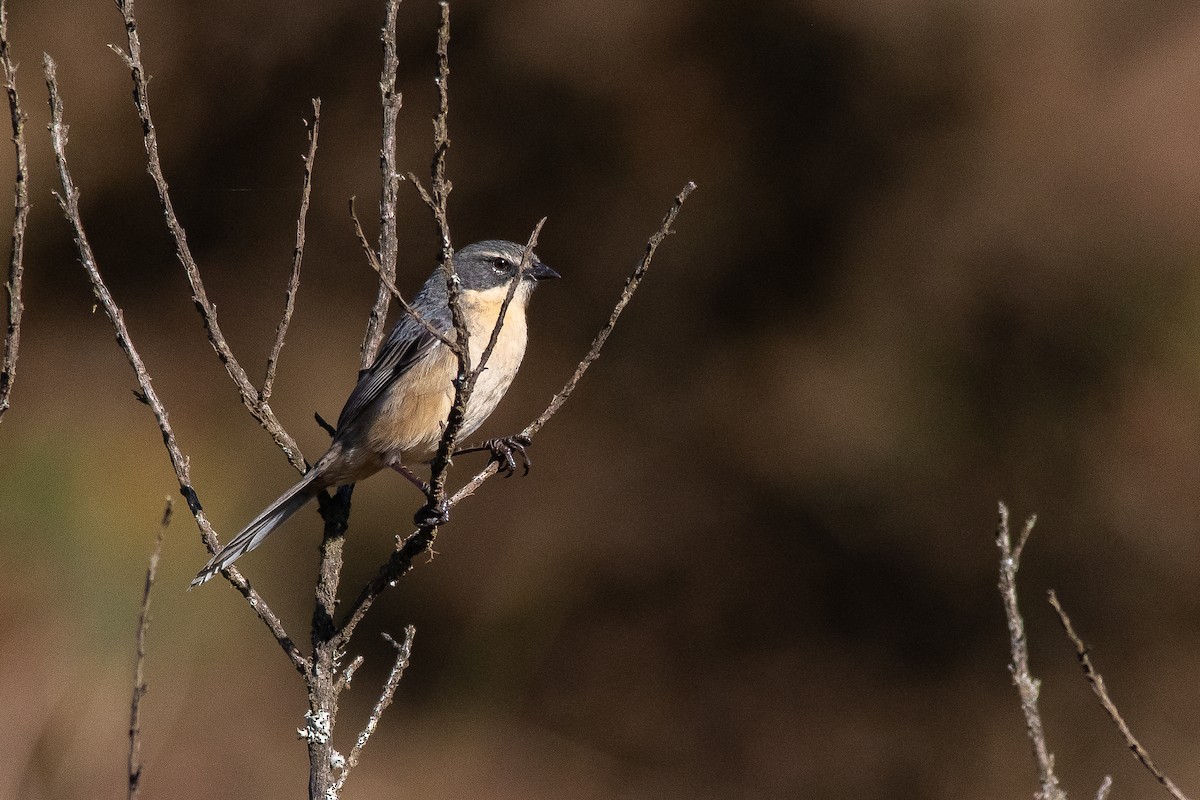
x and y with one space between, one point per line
433 516
505 452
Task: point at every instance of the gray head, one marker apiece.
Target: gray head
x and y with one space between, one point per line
486 265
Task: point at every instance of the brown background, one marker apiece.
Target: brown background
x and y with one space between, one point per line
941 254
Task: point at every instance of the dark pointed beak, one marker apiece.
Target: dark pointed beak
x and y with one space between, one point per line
540 272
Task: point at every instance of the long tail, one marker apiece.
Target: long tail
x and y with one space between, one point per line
262 525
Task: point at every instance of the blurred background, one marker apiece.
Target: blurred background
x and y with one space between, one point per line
941 254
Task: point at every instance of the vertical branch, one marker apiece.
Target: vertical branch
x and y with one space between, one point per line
391 101
251 397
440 186
322 679
139 676
1028 687
440 189
16 269
69 201
297 255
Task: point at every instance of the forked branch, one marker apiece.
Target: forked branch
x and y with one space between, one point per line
252 399
69 201
1028 686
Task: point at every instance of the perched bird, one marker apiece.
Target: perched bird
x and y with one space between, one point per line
397 412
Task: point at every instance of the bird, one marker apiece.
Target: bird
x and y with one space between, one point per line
397 412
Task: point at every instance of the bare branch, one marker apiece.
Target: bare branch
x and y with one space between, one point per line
1097 683
440 188
400 561
1027 686
391 287
297 255
323 681
1105 788
251 398
16 268
139 676
439 185
391 100
403 653
69 201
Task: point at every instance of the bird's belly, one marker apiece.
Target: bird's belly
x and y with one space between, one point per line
414 409
501 367
412 414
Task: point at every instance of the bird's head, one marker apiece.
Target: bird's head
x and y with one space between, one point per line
495 263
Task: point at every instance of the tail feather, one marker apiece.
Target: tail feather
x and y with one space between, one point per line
261 526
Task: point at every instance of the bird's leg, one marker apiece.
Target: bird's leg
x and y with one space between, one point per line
502 450
411 477
430 515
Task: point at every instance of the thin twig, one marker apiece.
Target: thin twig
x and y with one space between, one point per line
400 561
69 201
390 101
139 675
347 675
631 285
373 261
251 398
1097 683
16 268
1105 788
297 255
522 268
1027 685
403 653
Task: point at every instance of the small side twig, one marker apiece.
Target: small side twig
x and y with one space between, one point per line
1096 681
251 398
297 255
408 548
1028 687
69 202
403 654
387 282
139 675
16 269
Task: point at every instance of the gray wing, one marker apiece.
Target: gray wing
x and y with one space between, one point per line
408 342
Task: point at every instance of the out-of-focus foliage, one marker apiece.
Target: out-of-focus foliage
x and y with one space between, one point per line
941 254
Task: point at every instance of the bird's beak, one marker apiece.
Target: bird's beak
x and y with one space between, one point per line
540 272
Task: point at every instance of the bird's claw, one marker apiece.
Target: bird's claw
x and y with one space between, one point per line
433 516
503 450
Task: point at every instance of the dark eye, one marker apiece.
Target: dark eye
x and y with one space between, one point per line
501 265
